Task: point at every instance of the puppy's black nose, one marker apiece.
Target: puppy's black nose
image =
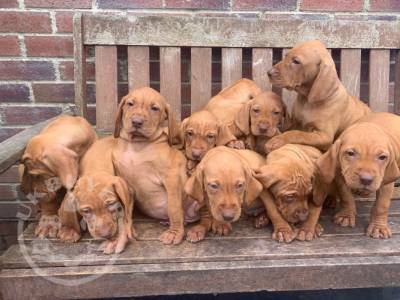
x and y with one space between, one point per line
137 122
263 127
302 214
196 154
366 179
271 72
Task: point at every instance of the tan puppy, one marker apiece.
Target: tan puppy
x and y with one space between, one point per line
323 108
288 177
365 159
101 198
223 184
50 165
143 156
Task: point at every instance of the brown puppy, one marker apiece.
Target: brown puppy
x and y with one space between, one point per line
365 159
143 156
101 198
223 185
288 177
50 165
323 108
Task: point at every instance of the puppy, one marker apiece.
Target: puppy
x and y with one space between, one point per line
223 185
154 170
323 108
49 167
288 179
363 160
102 199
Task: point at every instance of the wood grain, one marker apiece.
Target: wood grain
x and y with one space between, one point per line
106 87
200 81
231 63
138 67
379 67
261 64
79 67
350 70
397 84
170 77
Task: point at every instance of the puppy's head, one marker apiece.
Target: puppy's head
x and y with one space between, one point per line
291 185
225 181
262 115
202 132
308 68
101 199
142 113
364 155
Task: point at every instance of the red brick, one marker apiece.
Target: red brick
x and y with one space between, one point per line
60 93
197 4
8 3
6 133
67 70
130 4
264 4
59 3
26 70
332 5
10 176
64 21
36 22
8 228
27 115
7 192
9 46
49 46
14 93
384 5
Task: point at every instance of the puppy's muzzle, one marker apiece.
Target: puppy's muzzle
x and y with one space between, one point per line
301 214
137 122
197 154
273 73
366 179
263 128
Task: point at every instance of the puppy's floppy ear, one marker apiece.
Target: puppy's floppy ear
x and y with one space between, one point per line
173 127
320 190
224 135
326 82
194 186
68 211
182 129
64 163
392 172
242 118
122 190
285 122
267 175
254 188
327 163
118 119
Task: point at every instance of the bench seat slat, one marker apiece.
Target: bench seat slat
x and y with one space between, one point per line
379 67
231 62
138 67
350 70
261 63
201 59
106 87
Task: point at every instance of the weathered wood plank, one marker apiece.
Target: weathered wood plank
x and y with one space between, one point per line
231 63
79 66
106 87
379 67
170 77
201 76
138 67
192 31
350 70
397 84
261 63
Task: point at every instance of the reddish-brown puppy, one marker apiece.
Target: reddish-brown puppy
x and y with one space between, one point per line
323 108
49 166
363 160
102 199
154 170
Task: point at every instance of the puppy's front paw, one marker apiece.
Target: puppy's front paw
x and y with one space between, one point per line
284 233
48 227
196 234
220 228
273 144
236 145
172 236
261 221
379 230
68 234
345 218
112 246
308 233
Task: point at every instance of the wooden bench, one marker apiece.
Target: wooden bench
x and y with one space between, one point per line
247 260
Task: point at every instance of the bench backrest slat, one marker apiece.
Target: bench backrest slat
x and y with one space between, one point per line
379 67
201 68
397 84
350 70
138 67
231 62
288 96
106 86
261 63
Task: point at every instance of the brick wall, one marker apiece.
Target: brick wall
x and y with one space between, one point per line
36 49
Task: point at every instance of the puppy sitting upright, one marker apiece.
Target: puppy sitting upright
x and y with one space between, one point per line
288 177
323 108
363 160
49 166
154 170
223 185
102 199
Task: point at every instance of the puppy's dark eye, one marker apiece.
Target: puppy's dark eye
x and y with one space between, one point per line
86 211
382 157
256 110
290 198
351 153
211 136
129 103
239 185
155 108
275 113
189 133
213 186
296 61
